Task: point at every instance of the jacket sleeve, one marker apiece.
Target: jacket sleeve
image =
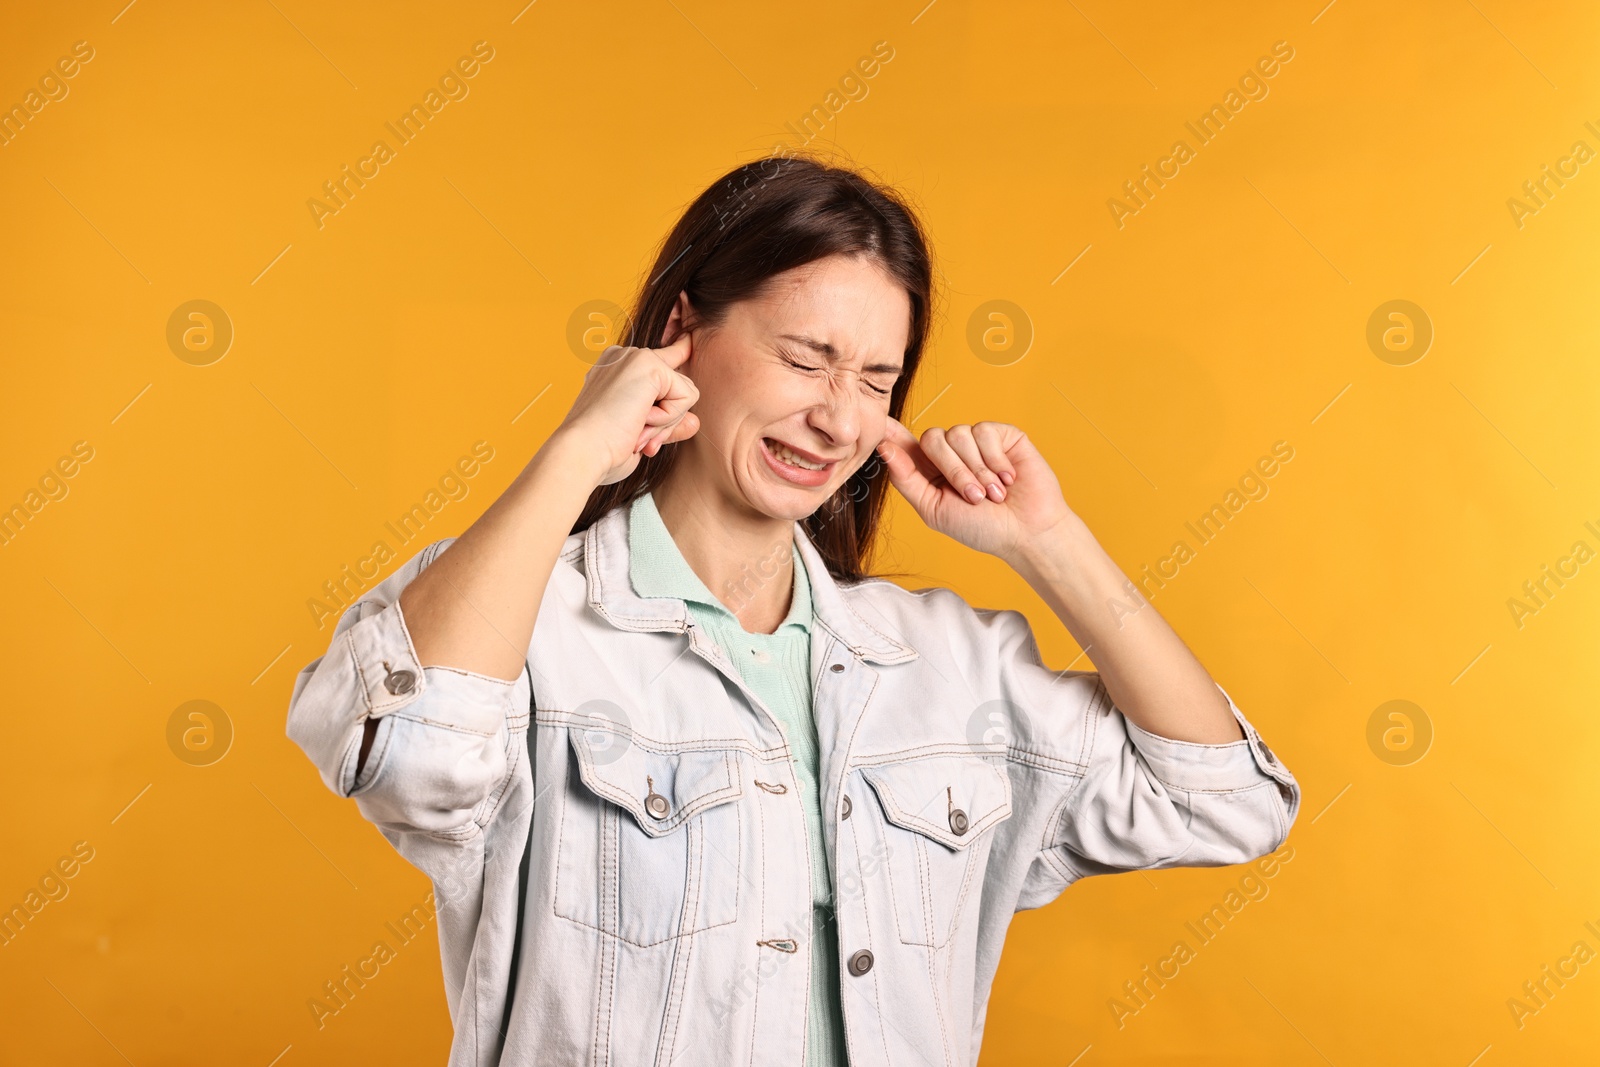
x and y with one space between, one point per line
1107 796
1147 801
439 760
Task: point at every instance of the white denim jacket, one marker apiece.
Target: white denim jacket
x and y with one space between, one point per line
617 844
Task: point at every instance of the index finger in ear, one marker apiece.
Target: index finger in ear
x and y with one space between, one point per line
901 439
681 348
898 434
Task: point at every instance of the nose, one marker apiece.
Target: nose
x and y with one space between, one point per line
835 413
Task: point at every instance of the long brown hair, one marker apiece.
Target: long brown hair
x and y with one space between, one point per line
756 221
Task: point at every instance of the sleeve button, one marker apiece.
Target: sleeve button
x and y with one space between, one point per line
400 682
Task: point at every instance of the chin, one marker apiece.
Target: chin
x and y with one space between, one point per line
794 503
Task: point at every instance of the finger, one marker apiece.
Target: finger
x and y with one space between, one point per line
681 348
680 431
910 470
900 439
652 441
687 428
650 433
669 410
936 444
612 354
963 439
991 438
679 386
895 432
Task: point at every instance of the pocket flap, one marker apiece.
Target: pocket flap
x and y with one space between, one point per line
951 799
662 789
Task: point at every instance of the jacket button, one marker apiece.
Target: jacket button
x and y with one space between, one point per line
836 668
958 821
657 805
860 962
399 682
844 812
1267 752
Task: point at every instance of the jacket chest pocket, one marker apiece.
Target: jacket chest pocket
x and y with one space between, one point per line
938 811
650 843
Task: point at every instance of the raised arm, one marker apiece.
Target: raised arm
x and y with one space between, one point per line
987 486
1147 763
418 700
475 608
1149 672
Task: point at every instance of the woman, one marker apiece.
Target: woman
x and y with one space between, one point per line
787 821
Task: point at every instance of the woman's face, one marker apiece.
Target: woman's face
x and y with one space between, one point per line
794 385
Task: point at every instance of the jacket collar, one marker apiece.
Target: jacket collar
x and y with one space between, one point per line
656 568
611 595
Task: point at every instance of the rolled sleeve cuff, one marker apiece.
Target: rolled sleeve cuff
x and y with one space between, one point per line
391 677
1213 768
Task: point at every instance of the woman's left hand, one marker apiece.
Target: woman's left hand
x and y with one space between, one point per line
938 473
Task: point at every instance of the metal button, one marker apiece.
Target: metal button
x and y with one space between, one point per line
657 805
844 812
836 668
1267 752
958 821
399 682
860 962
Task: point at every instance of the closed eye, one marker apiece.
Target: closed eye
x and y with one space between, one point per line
803 366
796 363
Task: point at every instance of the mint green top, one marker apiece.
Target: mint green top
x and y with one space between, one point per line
777 666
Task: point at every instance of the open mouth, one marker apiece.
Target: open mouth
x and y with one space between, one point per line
791 457
793 467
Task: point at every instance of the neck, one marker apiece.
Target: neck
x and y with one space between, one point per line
741 555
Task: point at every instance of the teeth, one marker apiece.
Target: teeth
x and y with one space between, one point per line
784 453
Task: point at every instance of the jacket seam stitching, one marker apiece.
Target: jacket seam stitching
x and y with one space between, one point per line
361 674
755 1003
568 720
933 984
904 755
866 916
1091 726
503 788
684 947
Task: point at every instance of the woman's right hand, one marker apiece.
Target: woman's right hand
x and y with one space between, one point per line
632 403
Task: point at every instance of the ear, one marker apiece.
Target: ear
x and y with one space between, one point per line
682 315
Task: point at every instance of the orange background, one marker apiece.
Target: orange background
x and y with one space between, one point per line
432 310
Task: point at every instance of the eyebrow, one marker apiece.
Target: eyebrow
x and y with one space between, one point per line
831 354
